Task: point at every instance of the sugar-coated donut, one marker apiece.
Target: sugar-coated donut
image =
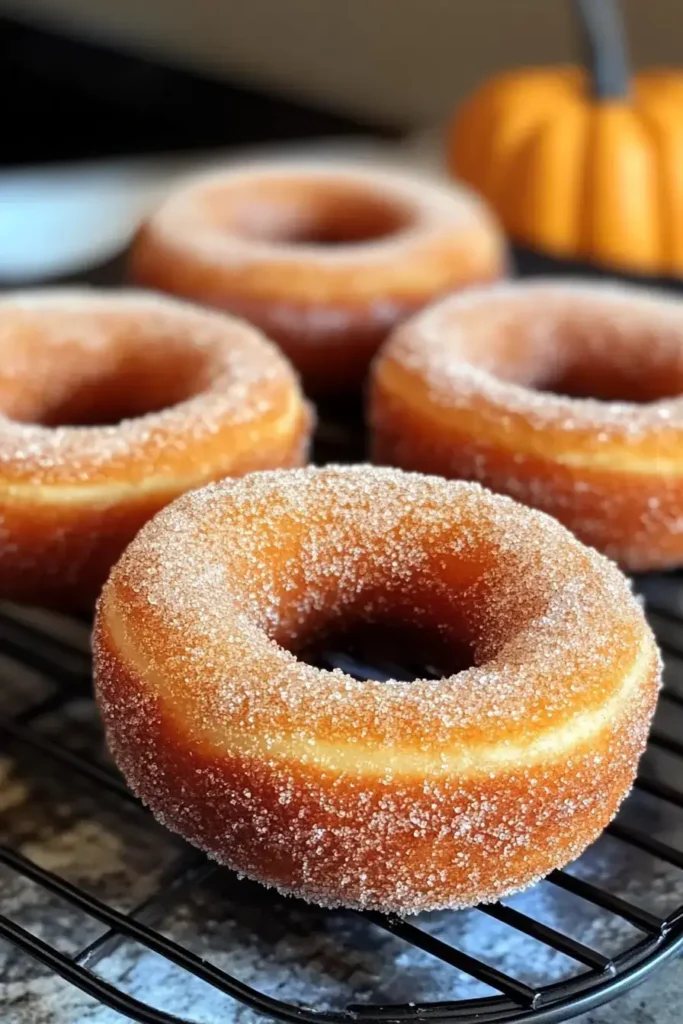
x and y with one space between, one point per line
565 395
325 261
182 397
398 796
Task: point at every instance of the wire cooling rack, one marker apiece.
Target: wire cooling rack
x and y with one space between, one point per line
601 926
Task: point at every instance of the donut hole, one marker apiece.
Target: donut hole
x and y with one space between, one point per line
633 365
390 619
613 384
67 382
110 399
305 212
382 650
431 586
585 345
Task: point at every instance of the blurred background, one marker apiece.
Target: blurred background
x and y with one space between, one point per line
398 64
92 80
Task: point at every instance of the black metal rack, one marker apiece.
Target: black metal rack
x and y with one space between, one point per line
56 651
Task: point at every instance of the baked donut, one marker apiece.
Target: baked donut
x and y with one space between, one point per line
396 796
111 405
325 261
565 395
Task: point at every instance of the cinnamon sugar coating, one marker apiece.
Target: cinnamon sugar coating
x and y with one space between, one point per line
325 261
112 404
395 796
568 396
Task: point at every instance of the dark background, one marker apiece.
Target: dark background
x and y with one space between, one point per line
66 100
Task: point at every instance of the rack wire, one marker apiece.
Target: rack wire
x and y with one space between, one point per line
56 651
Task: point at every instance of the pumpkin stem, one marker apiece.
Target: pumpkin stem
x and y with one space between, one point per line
605 39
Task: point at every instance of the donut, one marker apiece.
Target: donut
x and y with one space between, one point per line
394 796
325 261
111 405
563 395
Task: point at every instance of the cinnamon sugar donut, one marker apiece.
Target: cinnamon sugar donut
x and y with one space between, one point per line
111 405
566 395
397 796
325 261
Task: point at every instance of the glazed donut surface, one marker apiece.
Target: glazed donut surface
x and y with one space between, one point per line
398 796
111 405
325 261
568 396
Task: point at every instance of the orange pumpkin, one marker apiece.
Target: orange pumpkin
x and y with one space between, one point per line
583 164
